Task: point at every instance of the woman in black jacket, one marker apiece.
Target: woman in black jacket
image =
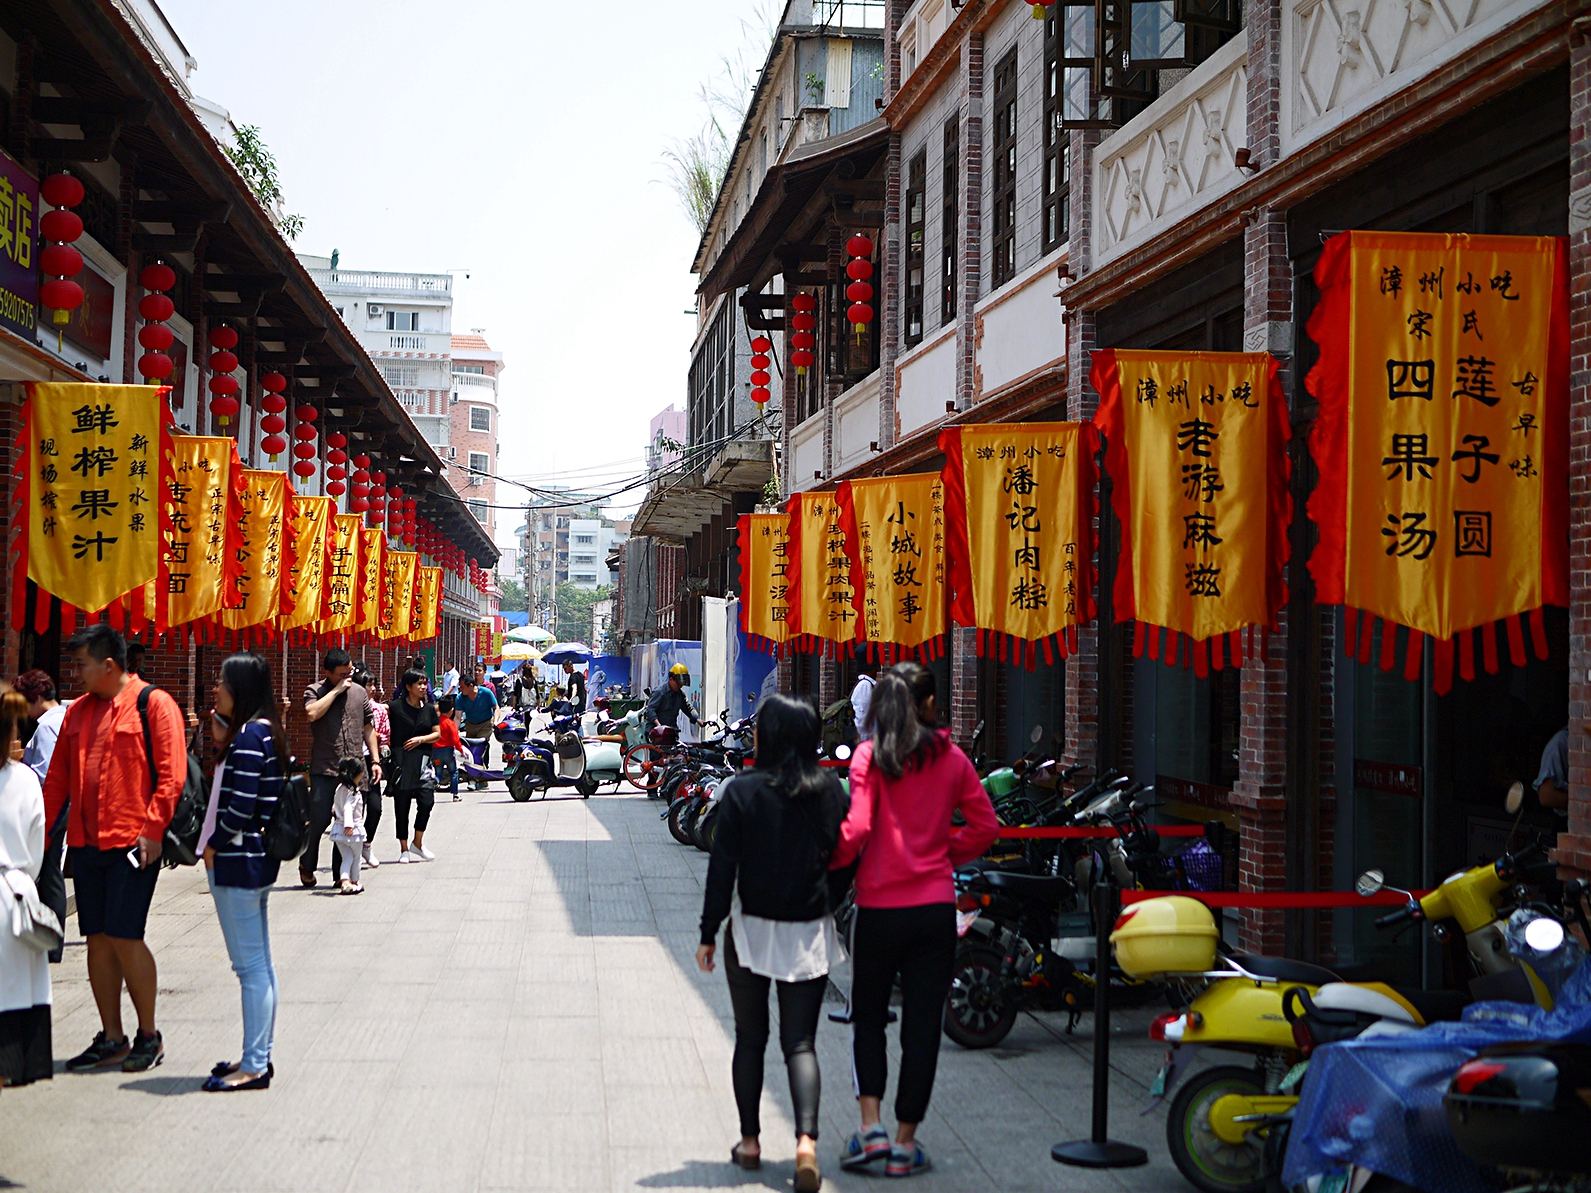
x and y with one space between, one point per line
776 828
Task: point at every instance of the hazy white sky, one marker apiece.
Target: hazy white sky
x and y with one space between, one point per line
519 140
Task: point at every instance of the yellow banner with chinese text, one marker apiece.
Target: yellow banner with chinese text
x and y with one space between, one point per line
263 523
207 481
372 579
429 604
895 537
311 530
342 566
765 580
822 603
1442 437
397 598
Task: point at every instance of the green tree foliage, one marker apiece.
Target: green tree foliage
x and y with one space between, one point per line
573 623
513 598
257 164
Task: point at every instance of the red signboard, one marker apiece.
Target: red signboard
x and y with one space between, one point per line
90 327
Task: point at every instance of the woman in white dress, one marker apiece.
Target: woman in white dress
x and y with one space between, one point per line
26 1053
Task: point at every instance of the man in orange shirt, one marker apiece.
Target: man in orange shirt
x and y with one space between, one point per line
115 831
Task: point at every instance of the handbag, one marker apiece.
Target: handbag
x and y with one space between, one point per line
34 924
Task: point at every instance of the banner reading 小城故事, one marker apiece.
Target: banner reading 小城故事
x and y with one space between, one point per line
895 537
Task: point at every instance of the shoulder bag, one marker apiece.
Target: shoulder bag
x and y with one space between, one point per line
32 923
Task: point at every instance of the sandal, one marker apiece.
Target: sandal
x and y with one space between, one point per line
741 1159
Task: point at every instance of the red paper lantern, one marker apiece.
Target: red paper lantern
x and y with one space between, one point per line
158 276
859 270
760 360
224 384
305 433
274 424
157 308
62 190
223 363
760 379
225 338
361 461
860 315
155 366
62 295
156 337
859 246
760 394
304 451
224 408
61 226
335 488
273 444
273 383
303 469
860 291
61 260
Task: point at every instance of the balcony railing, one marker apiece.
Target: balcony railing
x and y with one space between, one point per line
474 379
436 284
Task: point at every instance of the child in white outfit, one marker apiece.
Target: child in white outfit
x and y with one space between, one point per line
348 823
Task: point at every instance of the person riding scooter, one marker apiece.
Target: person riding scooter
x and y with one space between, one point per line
666 704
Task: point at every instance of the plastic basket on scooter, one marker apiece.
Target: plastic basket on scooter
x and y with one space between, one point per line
1201 867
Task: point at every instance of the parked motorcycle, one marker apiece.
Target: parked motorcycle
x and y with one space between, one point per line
511 733
550 762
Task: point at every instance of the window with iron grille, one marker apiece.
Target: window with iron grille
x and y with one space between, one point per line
480 462
1002 191
481 418
1057 178
710 403
401 376
916 205
950 214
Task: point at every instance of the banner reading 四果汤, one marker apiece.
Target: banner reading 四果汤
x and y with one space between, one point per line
1442 441
265 553
895 537
342 569
1019 520
429 603
306 579
397 599
202 546
372 577
91 479
1196 449
765 568
823 615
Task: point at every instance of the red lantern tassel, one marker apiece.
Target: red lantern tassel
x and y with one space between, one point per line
1366 635
1466 655
1389 643
1538 633
1488 634
1032 650
1350 631
1217 662
114 611
1139 639
1155 633
1516 640
1201 659
1049 655
1442 679
41 611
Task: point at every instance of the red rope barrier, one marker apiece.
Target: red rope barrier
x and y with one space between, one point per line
1073 833
1282 899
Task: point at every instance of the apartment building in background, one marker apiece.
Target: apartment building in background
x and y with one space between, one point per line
473 426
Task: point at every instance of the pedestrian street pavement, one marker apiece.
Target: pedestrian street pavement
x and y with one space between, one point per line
524 1013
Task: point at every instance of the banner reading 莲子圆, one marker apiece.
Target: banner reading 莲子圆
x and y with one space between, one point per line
95 465
342 565
822 605
1196 449
397 599
306 579
1019 512
266 501
202 555
1442 440
372 575
895 537
765 580
429 603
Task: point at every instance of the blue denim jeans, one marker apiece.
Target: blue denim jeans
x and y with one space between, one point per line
248 943
447 769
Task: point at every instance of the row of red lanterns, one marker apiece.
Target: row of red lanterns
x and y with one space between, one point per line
156 307
59 260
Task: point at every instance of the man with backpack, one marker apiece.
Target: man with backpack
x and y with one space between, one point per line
120 808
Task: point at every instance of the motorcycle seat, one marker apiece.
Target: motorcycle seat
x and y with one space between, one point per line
1435 1006
1285 969
1029 886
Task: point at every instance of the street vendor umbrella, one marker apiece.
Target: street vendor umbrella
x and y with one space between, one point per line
519 651
528 633
567 652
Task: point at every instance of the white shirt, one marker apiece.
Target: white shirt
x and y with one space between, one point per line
450 681
24 974
785 950
41 746
861 697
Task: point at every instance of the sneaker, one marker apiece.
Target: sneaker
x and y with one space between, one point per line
425 853
403 857
414 855
907 1160
146 1053
371 860
103 1053
862 1148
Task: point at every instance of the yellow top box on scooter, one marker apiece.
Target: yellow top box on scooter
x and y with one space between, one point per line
1171 934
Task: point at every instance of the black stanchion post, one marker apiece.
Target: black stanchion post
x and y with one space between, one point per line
1099 1151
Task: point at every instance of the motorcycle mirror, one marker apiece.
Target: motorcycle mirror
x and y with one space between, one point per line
1370 883
842 751
1544 934
1515 798
1037 735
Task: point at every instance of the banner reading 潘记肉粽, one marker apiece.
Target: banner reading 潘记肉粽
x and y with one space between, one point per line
95 465
372 579
266 501
1019 513
895 537
1196 449
765 580
822 605
306 579
397 598
1442 441
342 568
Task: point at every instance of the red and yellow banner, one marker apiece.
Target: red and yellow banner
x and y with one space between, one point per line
342 574
397 598
1196 448
202 551
822 604
267 504
895 537
93 476
306 579
428 602
1025 576
765 567
1442 440
372 576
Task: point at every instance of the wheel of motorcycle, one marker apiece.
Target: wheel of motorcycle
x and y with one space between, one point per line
676 830
701 830
977 1012
587 786
1208 1161
518 789
643 767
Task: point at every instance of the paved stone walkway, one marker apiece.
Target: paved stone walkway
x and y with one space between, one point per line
524 1013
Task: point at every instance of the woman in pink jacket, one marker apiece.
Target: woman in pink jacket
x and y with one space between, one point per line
905 784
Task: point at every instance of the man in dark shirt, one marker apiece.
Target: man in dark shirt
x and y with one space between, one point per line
668 701
341 725
575 685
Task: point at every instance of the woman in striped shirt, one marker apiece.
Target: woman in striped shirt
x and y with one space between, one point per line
251 767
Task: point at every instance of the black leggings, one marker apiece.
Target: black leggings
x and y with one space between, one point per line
799 1005
918 944
372 810
424 800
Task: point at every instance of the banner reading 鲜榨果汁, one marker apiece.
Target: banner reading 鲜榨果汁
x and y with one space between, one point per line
1196 449
1019 517
895 537
765 580
823 615
1442 441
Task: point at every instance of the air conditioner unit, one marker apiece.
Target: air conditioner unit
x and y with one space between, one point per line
373 309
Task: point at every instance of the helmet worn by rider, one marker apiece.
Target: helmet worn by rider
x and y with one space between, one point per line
682 673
